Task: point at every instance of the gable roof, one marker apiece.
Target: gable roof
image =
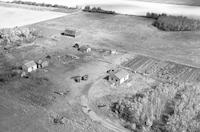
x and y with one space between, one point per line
70 32
84 47
30 64
121 74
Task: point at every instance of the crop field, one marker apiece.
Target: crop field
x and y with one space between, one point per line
33 16
163 70
186 2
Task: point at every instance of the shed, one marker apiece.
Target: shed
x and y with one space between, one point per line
85 48
29 66
69 32
119 77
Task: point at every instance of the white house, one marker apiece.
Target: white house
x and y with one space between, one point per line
29 66
119 77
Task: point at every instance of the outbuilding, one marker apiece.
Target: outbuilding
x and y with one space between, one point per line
29 66
85 49
69 32
119 77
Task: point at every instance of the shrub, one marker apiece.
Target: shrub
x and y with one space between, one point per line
17 35
187 110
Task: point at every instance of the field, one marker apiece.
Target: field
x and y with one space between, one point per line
137 7
185 2
33 103
9 15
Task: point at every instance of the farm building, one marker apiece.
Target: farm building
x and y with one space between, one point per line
85 49
29 66
69 32
119 77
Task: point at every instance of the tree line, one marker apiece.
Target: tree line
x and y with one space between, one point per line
97 10
174 23
40 4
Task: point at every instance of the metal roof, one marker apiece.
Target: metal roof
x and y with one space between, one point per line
30 64
121 74
84 47
69 31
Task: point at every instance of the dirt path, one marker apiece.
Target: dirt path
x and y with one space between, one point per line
105 122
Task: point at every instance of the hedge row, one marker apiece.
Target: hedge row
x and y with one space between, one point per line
40 4
154 15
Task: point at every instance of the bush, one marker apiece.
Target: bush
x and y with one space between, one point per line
97 10
17 35
186 115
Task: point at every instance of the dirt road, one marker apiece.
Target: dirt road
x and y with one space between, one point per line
105 122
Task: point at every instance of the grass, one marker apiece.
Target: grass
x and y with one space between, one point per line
129 33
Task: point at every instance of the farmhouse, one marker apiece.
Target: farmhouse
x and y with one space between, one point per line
69 32
85 49
118 77
29 66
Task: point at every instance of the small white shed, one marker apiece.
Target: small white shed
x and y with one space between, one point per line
29 66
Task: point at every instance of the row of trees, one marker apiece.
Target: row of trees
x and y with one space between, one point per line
154 15
174 23
40 4
177 23
97 10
